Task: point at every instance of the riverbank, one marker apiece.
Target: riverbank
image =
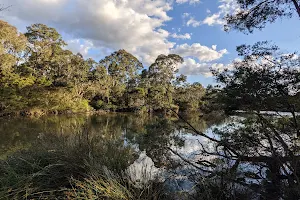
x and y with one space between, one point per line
36 112
40 113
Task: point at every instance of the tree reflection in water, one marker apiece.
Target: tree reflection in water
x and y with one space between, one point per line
254 157
222 159
138 145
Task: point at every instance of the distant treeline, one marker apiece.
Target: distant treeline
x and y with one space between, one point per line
38 76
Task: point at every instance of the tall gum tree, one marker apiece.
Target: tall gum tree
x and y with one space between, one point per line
161 74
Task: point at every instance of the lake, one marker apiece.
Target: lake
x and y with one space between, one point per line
145 147
128 156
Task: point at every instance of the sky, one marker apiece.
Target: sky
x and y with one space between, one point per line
192 29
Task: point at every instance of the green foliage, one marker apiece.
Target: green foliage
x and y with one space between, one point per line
264 80
98 104
38 76
189 97
252 152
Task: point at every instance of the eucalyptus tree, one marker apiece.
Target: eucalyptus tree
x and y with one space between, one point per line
161 74
123 68
164 69
100 89
189 96
38 73
264 80
45 50
12 44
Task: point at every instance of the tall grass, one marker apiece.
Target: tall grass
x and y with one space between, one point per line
112 186
76 171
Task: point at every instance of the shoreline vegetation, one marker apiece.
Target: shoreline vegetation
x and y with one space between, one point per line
71 171
39 76
41 113
257 156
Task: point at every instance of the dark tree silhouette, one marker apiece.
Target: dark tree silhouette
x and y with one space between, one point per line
258 153
255 14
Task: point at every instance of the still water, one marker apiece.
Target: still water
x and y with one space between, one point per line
145 147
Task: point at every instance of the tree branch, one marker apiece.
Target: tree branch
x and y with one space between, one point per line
296 6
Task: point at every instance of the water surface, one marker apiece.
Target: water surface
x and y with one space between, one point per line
145 147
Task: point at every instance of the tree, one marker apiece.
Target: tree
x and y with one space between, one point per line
123 69
163 70
160 75
254 14
122 66
12 44
99 90
189 96
38 74
259 153
45 51
264 80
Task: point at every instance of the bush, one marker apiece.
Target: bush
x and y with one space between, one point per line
99 104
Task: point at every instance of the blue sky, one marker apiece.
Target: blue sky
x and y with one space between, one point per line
146 28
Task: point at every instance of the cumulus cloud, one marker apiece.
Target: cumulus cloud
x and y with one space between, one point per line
202 53
105 26
226 7
188 1
79 46
199 59
213 20
181 36
192 67
192 22
132 25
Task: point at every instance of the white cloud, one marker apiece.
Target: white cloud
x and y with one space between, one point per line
203 53
79 46
193 22
185 15
226 7
213 20
199 59
181 36
191 67
108 25
133 25
188 1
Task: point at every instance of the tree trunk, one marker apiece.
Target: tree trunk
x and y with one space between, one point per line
273 189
